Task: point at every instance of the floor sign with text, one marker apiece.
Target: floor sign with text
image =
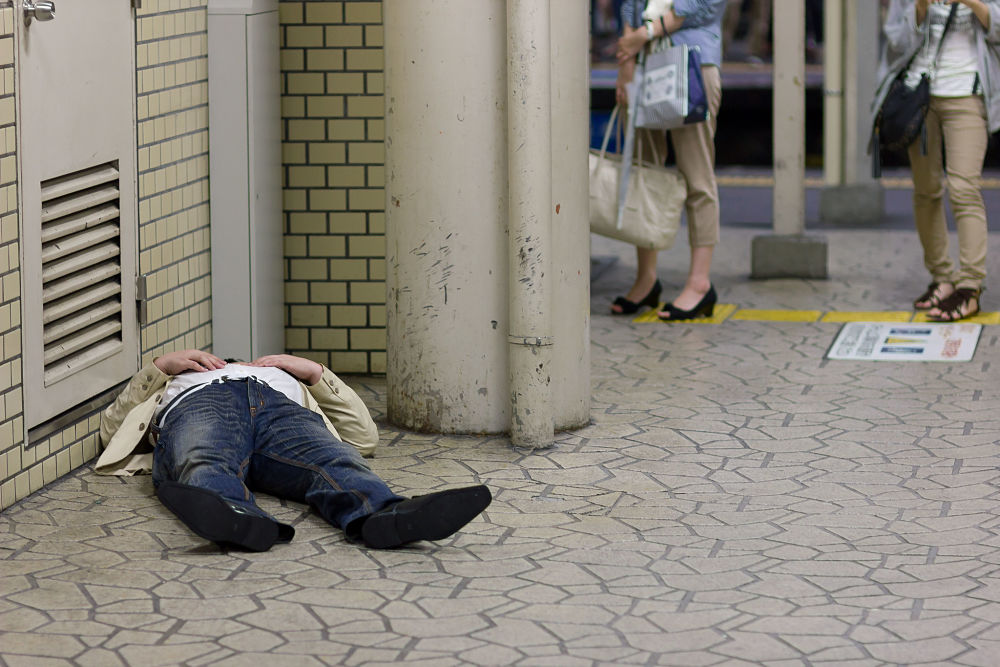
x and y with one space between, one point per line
888 341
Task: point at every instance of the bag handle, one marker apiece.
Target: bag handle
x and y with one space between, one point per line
612 123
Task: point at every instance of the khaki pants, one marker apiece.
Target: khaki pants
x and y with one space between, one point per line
694 146
957 139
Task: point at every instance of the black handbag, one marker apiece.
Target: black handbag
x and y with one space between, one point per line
900 119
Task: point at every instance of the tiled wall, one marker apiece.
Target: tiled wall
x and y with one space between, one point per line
13 483
172 106
334 198
174 235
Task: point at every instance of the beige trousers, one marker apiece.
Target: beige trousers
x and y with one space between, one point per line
957 139
694 146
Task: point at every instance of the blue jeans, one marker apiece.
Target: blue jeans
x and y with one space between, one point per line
240 436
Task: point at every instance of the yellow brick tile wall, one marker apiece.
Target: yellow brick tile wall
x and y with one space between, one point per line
333 167
14 470
172 106
174 234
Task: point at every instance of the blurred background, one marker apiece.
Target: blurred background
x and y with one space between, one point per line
746 81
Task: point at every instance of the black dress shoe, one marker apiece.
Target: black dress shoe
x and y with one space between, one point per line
705 308
211 516
431 517
652 299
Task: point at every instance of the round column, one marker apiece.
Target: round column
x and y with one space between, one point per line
446 194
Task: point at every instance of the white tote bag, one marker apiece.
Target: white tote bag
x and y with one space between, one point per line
654 202
667 90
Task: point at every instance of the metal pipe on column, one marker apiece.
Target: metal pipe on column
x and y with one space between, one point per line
789 119
570 208
833 92
529 233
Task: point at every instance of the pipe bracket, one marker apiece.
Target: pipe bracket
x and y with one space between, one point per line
531 341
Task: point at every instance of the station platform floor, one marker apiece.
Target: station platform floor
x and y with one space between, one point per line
737 499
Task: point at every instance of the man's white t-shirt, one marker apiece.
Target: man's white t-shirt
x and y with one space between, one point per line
189 383
954 74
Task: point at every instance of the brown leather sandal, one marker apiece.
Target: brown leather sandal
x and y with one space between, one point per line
933 296
962 303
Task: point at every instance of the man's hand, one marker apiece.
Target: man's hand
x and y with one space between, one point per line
306 370
175 363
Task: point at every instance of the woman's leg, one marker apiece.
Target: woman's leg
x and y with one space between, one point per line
645 277
695 149
928 199
963 126
963 123
645 274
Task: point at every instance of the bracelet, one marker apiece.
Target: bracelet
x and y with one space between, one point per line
650 29
663 25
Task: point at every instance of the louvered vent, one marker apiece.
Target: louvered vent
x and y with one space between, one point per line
81 270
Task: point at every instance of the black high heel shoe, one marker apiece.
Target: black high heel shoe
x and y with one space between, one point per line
703 308
629 307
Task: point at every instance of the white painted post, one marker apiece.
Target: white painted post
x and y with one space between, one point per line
529 160
789 118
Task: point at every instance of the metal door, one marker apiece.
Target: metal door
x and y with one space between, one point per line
76 150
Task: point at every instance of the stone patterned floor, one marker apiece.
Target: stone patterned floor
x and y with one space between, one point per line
737 500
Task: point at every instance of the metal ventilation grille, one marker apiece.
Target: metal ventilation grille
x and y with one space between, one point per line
81 270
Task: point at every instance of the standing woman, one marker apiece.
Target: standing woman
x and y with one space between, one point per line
697 23
964 109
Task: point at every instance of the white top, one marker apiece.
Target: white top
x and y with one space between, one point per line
189 383
954 74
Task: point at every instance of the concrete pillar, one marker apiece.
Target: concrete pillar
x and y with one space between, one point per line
788 252
851 195
789 120
454 315
446 214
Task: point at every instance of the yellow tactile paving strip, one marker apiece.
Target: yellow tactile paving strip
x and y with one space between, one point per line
869 316
728 311
777 315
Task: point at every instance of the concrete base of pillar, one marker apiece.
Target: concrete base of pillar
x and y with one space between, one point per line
859 204
788 256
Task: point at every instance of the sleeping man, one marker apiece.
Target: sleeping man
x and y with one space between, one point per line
282 425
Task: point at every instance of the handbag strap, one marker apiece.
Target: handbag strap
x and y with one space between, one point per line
937 54
947 24
652 145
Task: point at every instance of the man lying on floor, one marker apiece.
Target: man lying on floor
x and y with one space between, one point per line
213 432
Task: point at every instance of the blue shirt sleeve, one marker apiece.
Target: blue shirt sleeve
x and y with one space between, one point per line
632 12
698 13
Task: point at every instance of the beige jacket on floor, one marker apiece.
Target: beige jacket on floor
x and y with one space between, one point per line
125 423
